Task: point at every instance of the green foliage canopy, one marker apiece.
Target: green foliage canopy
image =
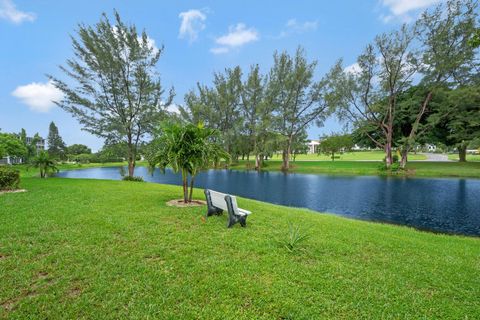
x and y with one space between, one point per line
335 143
117 93
186 148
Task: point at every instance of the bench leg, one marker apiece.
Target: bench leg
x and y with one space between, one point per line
232 217
243 221
214 211
232 220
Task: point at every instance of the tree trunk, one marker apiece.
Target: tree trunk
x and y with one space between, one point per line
462 153
404 160
131 167
192 179
413 131
257 162
286 155
333 156
185 186
388 149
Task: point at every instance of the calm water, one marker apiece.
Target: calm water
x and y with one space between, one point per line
444 205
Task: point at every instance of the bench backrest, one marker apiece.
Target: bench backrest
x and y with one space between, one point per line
218 200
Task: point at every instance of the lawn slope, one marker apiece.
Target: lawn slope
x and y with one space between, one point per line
112 249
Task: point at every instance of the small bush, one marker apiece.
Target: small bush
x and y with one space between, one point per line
135 179
394 158
294 238
9 178
394 168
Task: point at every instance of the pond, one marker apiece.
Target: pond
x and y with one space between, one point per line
441 205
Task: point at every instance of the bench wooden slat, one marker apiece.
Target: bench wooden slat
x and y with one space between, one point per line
218 200
244 212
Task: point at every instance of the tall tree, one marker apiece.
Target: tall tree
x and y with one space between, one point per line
56 146
218 107
299 99
448 59
117 93
461 125
227 88
257 114
23 136
367 94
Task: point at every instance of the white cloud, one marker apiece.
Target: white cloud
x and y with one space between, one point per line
191 25
151 44
219 50
9 12
237 36
401 9
38 97
173 108
293 26
353 69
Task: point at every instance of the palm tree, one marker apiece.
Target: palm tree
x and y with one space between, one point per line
44 163
188 149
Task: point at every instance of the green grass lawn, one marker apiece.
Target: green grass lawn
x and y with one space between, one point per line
374 155
470 157
113 249
421 169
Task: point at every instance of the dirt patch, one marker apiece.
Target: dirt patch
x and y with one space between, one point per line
41 276
12 191
180 204
74 292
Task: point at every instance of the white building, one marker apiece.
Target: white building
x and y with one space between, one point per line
313 146
11 160
40 143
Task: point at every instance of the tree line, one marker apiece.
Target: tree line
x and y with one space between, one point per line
262 113
417 83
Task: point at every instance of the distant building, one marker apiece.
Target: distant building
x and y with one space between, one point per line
11 160
40 146
40 143
313 146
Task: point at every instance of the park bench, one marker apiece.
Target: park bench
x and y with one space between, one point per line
218 202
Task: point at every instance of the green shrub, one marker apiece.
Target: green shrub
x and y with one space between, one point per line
135 179
395 158
83 158
394 168
294 238
9 178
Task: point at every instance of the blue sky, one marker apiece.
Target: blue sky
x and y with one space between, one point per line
200 37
